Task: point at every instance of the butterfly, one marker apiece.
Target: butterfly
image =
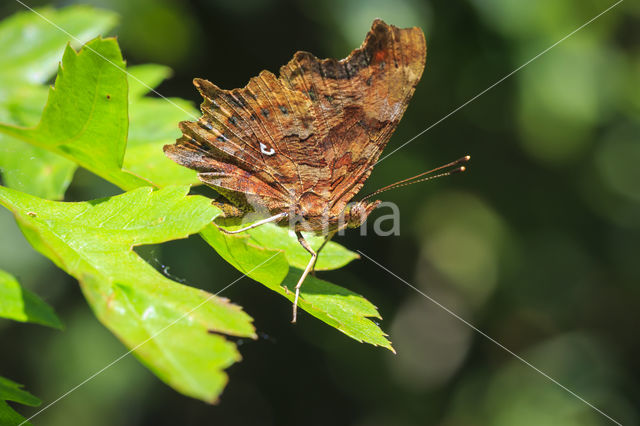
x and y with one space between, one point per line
299 147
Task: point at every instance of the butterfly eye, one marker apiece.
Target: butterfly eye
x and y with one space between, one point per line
265 151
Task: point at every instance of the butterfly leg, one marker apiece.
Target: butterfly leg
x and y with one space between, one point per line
312 262
324 243
254 225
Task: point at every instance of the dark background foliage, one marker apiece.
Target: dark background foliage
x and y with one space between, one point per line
537 245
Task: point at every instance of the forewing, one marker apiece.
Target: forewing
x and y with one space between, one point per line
261 136
314 132
360 100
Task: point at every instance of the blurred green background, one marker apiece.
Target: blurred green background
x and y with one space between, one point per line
537 245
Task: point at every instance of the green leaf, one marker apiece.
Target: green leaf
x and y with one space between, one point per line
26 167
12 391
22 305
332 256
31 51
343 309
85 119
176 330
32 43
34 170
153 124
23 105
8 416
143 77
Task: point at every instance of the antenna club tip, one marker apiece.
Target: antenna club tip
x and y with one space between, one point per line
461 160
463 168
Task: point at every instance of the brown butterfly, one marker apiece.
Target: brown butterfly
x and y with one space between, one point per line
300 146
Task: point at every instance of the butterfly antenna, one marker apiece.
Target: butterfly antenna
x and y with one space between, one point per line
422 177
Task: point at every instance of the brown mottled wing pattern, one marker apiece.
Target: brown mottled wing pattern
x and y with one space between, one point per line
241 141
362 98
310 137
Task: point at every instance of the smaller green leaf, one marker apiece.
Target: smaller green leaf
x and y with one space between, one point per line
244 256
343 309
26 167
34 170
153 124
12 391
85 119
143 78
19 304
340 308
31 46
332 256
22 104
8 416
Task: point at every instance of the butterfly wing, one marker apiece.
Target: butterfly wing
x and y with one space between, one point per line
312 134
360 100
262 140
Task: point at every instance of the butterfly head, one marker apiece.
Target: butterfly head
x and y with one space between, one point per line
357 213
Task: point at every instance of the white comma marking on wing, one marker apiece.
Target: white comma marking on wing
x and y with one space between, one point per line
265 151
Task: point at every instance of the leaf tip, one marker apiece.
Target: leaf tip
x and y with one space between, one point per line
391 348
56 324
